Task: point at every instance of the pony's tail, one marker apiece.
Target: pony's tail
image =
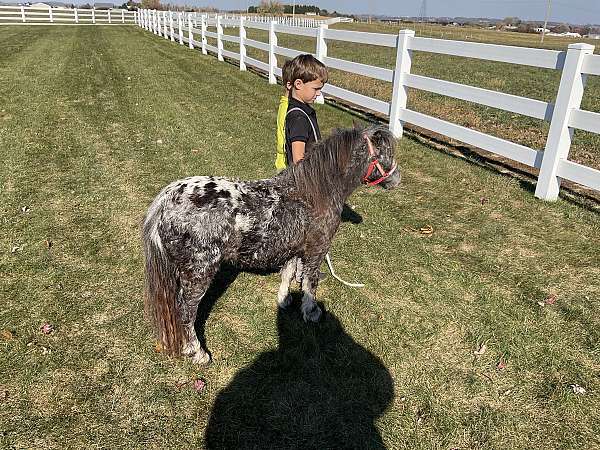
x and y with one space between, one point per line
161 288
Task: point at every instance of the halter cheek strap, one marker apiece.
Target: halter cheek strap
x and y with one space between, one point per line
375 163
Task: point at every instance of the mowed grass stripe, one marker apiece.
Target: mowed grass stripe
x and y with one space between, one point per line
84 156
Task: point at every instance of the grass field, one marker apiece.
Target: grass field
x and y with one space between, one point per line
476 336
540 84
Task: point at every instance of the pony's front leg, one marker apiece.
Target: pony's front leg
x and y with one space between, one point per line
310 281
287 275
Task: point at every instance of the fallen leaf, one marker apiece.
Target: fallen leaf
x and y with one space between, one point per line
158 347
481 351
3 395
541 303
199 385
46 351
6 335
48 243
16 248
47 328
551 299
578 389
159 141
25 209
426 230
484 200
501 365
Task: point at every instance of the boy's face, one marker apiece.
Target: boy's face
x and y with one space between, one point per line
307 92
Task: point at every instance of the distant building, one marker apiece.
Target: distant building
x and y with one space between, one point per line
570 34
542 30
40 5
103 6
593 36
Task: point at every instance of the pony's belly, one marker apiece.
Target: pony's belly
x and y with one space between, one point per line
268 256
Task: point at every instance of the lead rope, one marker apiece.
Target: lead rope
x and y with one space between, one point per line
327 257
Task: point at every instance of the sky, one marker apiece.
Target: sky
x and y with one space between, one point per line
571 11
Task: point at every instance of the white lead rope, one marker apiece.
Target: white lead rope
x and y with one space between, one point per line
330 265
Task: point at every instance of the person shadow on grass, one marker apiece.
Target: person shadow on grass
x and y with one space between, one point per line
318 390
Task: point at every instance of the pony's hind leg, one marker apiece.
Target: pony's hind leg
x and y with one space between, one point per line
194 285
287 275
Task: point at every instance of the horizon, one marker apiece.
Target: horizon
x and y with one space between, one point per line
577 12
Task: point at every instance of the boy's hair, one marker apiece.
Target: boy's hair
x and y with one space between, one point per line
307 68
286 72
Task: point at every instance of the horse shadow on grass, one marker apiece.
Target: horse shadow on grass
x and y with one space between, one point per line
318 390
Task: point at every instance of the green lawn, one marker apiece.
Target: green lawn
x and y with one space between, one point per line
473 336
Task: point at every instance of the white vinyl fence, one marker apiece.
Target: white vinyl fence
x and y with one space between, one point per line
564 114
27 15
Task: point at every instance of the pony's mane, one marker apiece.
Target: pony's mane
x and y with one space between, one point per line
320 175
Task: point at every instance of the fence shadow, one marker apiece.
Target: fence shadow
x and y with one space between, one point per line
318 390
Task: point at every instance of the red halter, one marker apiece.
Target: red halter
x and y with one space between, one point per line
375 163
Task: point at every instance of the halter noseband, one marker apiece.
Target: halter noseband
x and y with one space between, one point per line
375 163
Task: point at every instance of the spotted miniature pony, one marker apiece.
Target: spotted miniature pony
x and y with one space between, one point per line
198 223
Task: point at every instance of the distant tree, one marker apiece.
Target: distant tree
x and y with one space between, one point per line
562 28
151 4
526 28
85 6
270 7
130 5
511 21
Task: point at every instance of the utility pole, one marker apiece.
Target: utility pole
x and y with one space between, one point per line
546 20
423 15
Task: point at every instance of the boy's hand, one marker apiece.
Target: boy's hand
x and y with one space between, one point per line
298 151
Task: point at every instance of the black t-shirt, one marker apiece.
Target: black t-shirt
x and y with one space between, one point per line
298 127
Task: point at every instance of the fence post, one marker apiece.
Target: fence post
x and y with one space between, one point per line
159 23
190 34
23 13
242 43
165 29
570 93
171 31
203 32
109 21
219 39
399 91
272 57
76 15
180 27
321 52
122 16
50 14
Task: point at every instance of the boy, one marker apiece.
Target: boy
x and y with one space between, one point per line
308 75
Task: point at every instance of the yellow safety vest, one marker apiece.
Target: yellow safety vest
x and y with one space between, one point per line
281 112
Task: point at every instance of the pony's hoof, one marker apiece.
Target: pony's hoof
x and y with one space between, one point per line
202 359
287 301
312 314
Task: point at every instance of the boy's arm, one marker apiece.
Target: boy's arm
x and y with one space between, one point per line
297 131
298 151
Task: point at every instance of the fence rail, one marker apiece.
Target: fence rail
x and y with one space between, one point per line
564 114
28 15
